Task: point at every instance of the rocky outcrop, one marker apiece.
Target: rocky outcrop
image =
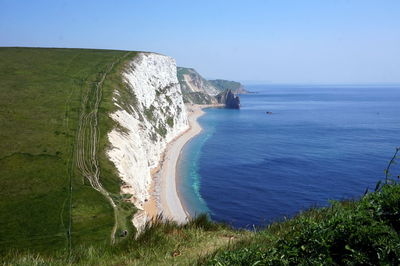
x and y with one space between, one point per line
229 99
150 113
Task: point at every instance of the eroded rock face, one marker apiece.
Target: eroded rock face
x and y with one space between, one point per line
195 88
229 99
192 81
153 115
198 90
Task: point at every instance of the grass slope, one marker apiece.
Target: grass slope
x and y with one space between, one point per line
45 202
223 85
162 243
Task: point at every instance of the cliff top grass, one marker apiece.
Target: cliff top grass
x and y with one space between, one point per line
45 202
185 70
223 85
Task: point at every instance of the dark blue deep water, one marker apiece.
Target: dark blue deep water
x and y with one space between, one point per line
321 143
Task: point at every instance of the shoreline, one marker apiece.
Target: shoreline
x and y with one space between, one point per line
164 195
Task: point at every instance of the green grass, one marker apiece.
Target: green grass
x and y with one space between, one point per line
40 102
223 85
185 71
363 232
161 243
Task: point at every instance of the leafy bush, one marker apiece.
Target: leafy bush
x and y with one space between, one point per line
149 113
170 121
161 130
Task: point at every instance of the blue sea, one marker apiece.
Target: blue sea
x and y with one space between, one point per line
320 143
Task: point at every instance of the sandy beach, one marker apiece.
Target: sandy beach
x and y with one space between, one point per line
164 195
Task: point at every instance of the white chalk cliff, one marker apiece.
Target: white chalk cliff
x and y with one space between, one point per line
153 116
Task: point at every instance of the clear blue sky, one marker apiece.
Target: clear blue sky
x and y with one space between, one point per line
279 41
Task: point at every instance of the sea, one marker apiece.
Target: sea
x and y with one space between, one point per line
290 148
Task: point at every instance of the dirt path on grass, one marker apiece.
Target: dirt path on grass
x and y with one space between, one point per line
88 140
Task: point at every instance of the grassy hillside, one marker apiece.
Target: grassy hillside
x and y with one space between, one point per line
162 243
46 202
225 84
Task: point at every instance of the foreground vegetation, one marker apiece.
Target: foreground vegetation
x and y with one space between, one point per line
161 243
363 232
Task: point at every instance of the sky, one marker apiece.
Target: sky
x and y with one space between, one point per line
277 41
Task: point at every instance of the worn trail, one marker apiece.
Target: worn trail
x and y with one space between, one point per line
88 140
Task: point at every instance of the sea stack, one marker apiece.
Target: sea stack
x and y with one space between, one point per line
229 99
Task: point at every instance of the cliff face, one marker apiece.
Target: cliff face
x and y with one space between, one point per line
195 88
229 99
194 82
154 115
150 113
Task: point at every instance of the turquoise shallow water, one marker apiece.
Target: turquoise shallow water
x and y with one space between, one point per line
321 143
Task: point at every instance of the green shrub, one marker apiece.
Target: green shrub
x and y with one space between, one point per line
161 130
149 113
170 121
